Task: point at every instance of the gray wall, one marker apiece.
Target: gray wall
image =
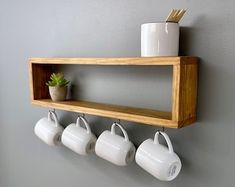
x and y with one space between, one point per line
86 28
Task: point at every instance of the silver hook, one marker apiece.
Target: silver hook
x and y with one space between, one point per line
118 121
82 115
163 130
53 110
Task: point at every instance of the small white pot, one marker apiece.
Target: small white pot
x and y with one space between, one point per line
58 93
159 39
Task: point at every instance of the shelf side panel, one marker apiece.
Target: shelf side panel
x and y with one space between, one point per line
184 93
39 75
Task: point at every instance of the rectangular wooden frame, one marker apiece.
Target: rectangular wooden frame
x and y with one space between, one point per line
184 90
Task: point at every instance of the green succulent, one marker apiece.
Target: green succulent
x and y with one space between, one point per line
57 79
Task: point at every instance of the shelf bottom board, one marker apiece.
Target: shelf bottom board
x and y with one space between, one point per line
139 115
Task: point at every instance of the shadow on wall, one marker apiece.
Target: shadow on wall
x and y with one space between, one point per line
103 168
185 40
189 36
190 143
214 109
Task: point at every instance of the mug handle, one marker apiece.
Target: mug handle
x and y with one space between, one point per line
122 129
52 114
78 124
168 141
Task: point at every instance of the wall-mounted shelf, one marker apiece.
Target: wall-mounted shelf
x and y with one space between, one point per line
184 90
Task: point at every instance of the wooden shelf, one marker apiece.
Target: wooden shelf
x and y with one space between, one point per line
151 117
146 61
184 90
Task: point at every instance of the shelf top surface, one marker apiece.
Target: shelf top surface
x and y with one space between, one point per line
118 61
141 115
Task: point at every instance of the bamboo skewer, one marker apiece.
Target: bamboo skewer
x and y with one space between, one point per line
175 15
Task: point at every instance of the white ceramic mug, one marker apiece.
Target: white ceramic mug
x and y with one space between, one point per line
157 159
79 139
49 130
159 39
114 148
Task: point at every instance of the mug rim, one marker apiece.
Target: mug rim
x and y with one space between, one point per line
159 23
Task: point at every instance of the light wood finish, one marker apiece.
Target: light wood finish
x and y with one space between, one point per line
180 15
175 15
170 15
184 90
184 93
116 61
140 115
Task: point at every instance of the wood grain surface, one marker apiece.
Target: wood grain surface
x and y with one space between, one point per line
184 90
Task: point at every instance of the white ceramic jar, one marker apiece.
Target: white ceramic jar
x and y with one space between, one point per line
159 39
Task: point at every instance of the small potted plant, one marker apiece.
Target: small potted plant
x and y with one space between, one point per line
57 87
